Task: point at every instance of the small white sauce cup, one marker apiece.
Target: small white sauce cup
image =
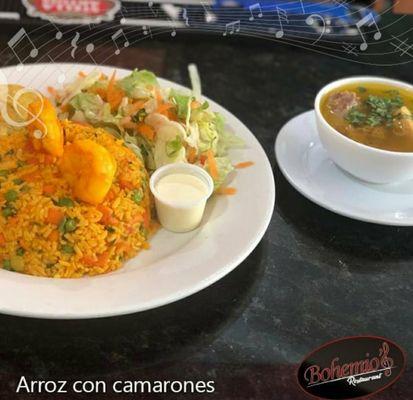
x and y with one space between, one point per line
364 162
177 216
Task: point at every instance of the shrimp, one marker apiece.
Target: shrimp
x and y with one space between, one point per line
89 169
45 130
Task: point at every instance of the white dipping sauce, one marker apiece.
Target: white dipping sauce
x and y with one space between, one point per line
181 188
180 200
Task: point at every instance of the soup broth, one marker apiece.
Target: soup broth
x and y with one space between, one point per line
375 114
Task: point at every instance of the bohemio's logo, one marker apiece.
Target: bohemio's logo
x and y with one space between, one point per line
73 11
351 367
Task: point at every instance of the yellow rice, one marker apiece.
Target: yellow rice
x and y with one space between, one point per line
27 241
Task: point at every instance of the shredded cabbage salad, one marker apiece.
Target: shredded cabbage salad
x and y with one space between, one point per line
161 125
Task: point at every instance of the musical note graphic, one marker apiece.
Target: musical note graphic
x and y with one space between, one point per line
123 19
59 33
209 15
115 36
15 41
282 18
350 49
341 3
74 45
232 27
369 21
8 102
173 26
302 6
185 17
90 47
154 12
311 20
402 46
147 30
252 8
61 77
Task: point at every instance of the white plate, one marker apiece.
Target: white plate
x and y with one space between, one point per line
306 165
177 265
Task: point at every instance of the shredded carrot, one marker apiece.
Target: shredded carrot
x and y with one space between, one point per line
107 212
2 240
114 94
103 259
212 164
123 247
111 195
158 96
129 124
82 74
136 219
54 236
125 184
12 221
191 154
99 91
32 177
164 108
88 260
49 189
32 160
229 191
244 164
147 219
54 216
136 106
65 107
171 114
100 261
195 104
202 159
146 130
52 91
82 123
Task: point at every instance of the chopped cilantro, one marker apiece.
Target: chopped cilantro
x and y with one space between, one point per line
139 116
356 117
375 111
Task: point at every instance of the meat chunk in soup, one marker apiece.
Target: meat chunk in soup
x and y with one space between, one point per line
372 113
340 103
405 125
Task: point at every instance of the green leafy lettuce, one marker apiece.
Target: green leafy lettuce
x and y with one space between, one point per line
93 109
182 102
226 139
224 167
173 147
138 83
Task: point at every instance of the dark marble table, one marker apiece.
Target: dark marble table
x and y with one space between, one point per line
315 276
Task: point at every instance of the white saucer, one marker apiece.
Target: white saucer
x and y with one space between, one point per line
306 165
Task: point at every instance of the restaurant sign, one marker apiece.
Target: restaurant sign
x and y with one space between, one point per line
351 367
73 11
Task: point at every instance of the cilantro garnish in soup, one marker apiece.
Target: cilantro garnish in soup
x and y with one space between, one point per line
375 114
